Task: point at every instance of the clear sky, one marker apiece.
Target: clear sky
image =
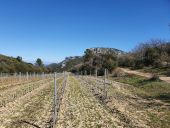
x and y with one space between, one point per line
54 29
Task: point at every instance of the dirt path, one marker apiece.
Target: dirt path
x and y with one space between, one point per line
147 75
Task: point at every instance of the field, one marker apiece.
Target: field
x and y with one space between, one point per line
27 104
85 102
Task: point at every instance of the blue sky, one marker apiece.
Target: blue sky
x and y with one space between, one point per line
54 29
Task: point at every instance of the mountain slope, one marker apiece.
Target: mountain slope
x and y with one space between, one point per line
11 65
66 65
75 62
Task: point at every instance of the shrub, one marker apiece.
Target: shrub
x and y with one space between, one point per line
168 73
126 61
118 72
154 77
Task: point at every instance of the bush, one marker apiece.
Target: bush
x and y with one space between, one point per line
168 73
126 61
118 72
157 64
101 72
138 64
154 77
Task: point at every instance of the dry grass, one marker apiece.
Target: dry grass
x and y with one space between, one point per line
131 109
80 109
31 110
84 105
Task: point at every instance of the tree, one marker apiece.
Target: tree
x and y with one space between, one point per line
88 55
19 58
88 59
127 60
109 61
97 62
151 55
39 63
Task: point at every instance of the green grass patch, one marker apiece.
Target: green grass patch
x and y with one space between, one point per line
129 79
146 88
160 71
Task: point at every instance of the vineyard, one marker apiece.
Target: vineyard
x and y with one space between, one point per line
27 101
65 100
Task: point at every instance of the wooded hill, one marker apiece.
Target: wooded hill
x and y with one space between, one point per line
66 65
12 65
154 54
93 58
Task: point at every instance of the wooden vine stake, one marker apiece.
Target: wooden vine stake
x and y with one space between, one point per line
55 101
105 91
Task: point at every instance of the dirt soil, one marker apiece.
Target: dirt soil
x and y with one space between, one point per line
84 105
128 109
33 110
80 109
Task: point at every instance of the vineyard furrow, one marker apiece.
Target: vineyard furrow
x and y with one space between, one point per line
12 94
32 110
80 109
118 104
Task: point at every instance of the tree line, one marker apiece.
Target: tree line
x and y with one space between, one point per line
154 53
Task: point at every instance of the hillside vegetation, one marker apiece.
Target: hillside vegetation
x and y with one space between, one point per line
152 56
65 65
12 65
155 53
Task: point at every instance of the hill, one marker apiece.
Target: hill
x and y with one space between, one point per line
75 63
12 65
66 65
